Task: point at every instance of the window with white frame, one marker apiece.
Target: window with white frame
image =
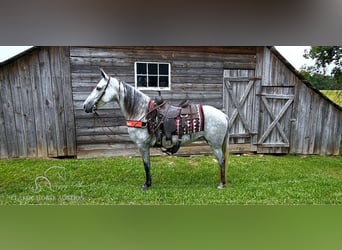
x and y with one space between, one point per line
152 75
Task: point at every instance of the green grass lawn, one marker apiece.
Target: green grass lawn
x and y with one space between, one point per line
176 180
334 95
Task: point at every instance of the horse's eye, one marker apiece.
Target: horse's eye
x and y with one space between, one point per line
98 88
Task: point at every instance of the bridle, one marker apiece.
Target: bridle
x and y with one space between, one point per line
99 99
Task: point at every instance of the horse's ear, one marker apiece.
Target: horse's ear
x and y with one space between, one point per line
104 75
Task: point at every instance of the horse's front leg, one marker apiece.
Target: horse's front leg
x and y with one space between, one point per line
145 153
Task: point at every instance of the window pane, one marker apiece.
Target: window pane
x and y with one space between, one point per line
163 69
141 68
152 81
152 69
152 75
142 81
163 81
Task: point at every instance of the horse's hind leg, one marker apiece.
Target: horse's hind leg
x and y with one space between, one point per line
222 165
218 144
216 134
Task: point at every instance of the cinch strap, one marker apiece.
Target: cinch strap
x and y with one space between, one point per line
135 124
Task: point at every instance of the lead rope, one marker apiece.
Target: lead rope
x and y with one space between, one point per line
106 125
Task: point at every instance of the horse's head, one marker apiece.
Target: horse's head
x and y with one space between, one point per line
100 95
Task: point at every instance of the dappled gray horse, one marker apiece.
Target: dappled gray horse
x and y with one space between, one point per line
147 119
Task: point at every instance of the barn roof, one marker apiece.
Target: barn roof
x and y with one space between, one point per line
272 48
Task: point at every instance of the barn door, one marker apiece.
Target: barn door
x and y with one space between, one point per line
239 103
275 119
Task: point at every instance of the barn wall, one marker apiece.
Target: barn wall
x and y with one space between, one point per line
312 122
36 115
276 94
42 93
317 125
196 74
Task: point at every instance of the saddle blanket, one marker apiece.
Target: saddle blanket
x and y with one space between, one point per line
190 122
166 121
170 120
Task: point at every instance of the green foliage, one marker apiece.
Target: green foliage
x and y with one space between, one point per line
319 81
176 180
325 56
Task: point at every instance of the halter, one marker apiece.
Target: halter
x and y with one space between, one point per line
99 99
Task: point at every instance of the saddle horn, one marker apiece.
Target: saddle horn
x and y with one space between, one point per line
159 99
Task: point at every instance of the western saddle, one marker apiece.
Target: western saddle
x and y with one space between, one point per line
169 123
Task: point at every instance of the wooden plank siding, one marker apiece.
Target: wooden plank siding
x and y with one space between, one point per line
239 103
43 90
196 74
37 117
282 113
315 123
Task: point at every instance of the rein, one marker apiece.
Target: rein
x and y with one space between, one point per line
140 124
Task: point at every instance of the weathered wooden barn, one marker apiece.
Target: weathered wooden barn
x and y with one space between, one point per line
271 108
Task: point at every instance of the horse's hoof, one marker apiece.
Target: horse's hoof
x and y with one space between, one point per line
221 186
145 187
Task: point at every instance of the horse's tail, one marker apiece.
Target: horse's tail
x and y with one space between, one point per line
225 148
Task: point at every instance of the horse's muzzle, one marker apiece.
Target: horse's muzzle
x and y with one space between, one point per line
89 108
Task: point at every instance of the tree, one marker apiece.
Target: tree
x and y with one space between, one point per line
318 80
325 56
